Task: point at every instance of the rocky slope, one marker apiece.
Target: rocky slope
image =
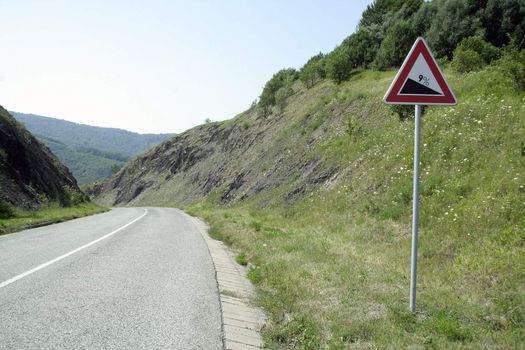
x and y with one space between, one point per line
30 175
237 159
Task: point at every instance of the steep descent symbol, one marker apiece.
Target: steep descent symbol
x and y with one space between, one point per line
419 81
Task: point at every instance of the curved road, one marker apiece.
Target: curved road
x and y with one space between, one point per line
131 278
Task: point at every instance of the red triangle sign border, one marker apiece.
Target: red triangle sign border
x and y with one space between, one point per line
393 95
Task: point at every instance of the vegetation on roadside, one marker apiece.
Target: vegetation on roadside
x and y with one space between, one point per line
315 189
332 268
13 219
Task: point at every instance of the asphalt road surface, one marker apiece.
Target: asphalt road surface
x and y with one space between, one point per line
131 278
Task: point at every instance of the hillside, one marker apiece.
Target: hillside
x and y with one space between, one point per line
30 175
318 197
87 165
91 153
313 187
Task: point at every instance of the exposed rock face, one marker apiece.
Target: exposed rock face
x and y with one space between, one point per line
29 173
234 160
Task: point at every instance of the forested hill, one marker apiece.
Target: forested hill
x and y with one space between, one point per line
91 153
110 140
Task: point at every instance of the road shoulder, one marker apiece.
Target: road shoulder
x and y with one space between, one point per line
242 321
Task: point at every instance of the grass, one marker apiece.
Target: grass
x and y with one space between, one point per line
47 215
332 268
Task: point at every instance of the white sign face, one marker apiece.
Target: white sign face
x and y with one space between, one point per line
422 80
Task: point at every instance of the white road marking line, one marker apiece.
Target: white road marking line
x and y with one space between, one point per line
46 264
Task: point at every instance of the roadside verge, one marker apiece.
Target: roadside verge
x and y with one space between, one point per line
241 320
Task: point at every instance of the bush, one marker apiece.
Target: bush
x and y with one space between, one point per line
69 197
473 53
283 78
313 71
487 51
403 111
6 211
467 61
512 64
338 65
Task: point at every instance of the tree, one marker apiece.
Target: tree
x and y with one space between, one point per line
453 21
284 77
313 71
355 52
422 19
396 45
338 65
504 22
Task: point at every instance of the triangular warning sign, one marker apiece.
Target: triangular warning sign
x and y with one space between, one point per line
420 81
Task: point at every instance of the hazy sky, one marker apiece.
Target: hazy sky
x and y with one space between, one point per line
157 66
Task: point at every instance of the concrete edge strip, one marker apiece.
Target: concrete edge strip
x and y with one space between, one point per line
245 333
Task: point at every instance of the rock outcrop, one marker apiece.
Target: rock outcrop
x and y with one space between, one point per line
30 175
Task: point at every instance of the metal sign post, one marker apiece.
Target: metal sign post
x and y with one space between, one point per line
415 209
418 82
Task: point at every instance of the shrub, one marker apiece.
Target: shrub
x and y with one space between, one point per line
403 111
512 64
241 259
6 211
338 64
283 78
487 51
467 61
313 71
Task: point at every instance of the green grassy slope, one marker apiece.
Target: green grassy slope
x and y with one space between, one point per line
332 264
316 198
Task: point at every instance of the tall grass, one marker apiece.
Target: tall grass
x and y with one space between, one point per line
332 268
52 213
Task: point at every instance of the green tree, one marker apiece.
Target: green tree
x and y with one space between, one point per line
338 65
313 71
375 12
355 52
453 21
396 45
279 79
422 19
504 22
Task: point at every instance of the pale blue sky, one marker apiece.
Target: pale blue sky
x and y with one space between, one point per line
157 66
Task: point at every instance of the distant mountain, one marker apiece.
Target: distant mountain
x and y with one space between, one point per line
30 175
91 153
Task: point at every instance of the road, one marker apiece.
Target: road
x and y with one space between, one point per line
95 283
